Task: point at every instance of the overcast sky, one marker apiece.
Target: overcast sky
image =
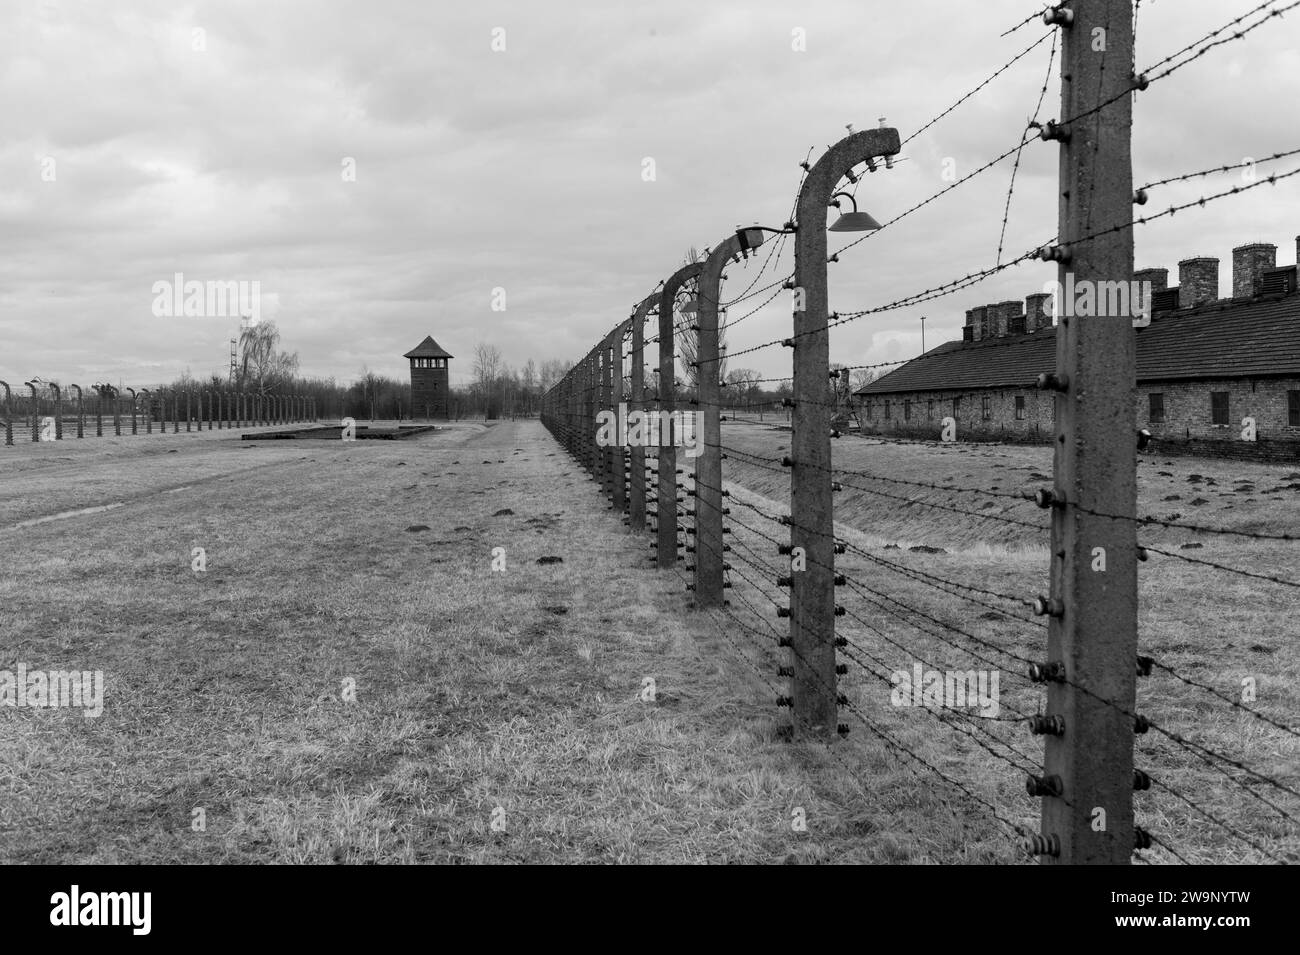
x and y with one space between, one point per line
144 138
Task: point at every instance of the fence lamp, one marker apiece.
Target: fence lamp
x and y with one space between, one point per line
854 221
751 237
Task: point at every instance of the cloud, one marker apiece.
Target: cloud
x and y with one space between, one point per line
522 169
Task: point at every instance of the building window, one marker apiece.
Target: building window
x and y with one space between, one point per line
907 409
929 410
988 407
1219 407
1293 409
886 409
956 407
1020 407
1156 403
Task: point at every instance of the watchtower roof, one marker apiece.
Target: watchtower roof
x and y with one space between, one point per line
428 349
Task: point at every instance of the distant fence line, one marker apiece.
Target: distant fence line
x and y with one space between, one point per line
52 416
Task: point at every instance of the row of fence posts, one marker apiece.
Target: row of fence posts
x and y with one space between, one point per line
225 410
1091 651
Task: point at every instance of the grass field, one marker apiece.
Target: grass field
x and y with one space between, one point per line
1210 626
350 681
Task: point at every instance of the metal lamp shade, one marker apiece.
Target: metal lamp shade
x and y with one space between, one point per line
855 222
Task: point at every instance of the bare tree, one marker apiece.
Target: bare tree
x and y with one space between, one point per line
863 377
551 372
261 367
528 381
487 372
370 383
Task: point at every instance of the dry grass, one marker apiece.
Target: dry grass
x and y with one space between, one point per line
475 691
516 694
1212 627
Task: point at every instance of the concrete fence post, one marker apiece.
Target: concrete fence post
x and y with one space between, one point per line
9 415
607 403
708 428
81 421
58 411
636 402
812 532
1092 607
617 400
36 413
666 502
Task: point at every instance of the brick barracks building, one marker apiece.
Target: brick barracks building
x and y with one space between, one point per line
1203 364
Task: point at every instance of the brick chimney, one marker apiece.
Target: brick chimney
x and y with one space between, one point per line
1248 265
1011 318
1036 312
1159 278
1198 282
993 321
979 321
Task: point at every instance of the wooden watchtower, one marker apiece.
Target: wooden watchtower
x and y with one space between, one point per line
429 380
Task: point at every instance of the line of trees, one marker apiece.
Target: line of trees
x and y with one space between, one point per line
495 389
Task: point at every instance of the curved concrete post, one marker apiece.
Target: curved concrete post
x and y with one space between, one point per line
79 429
148 410
36 413
636 402
708 464
58 412
9 415
812 593
617 401
189 417
133 423
666 502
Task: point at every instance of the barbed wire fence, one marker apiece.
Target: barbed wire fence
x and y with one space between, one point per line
1073 695
48 411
